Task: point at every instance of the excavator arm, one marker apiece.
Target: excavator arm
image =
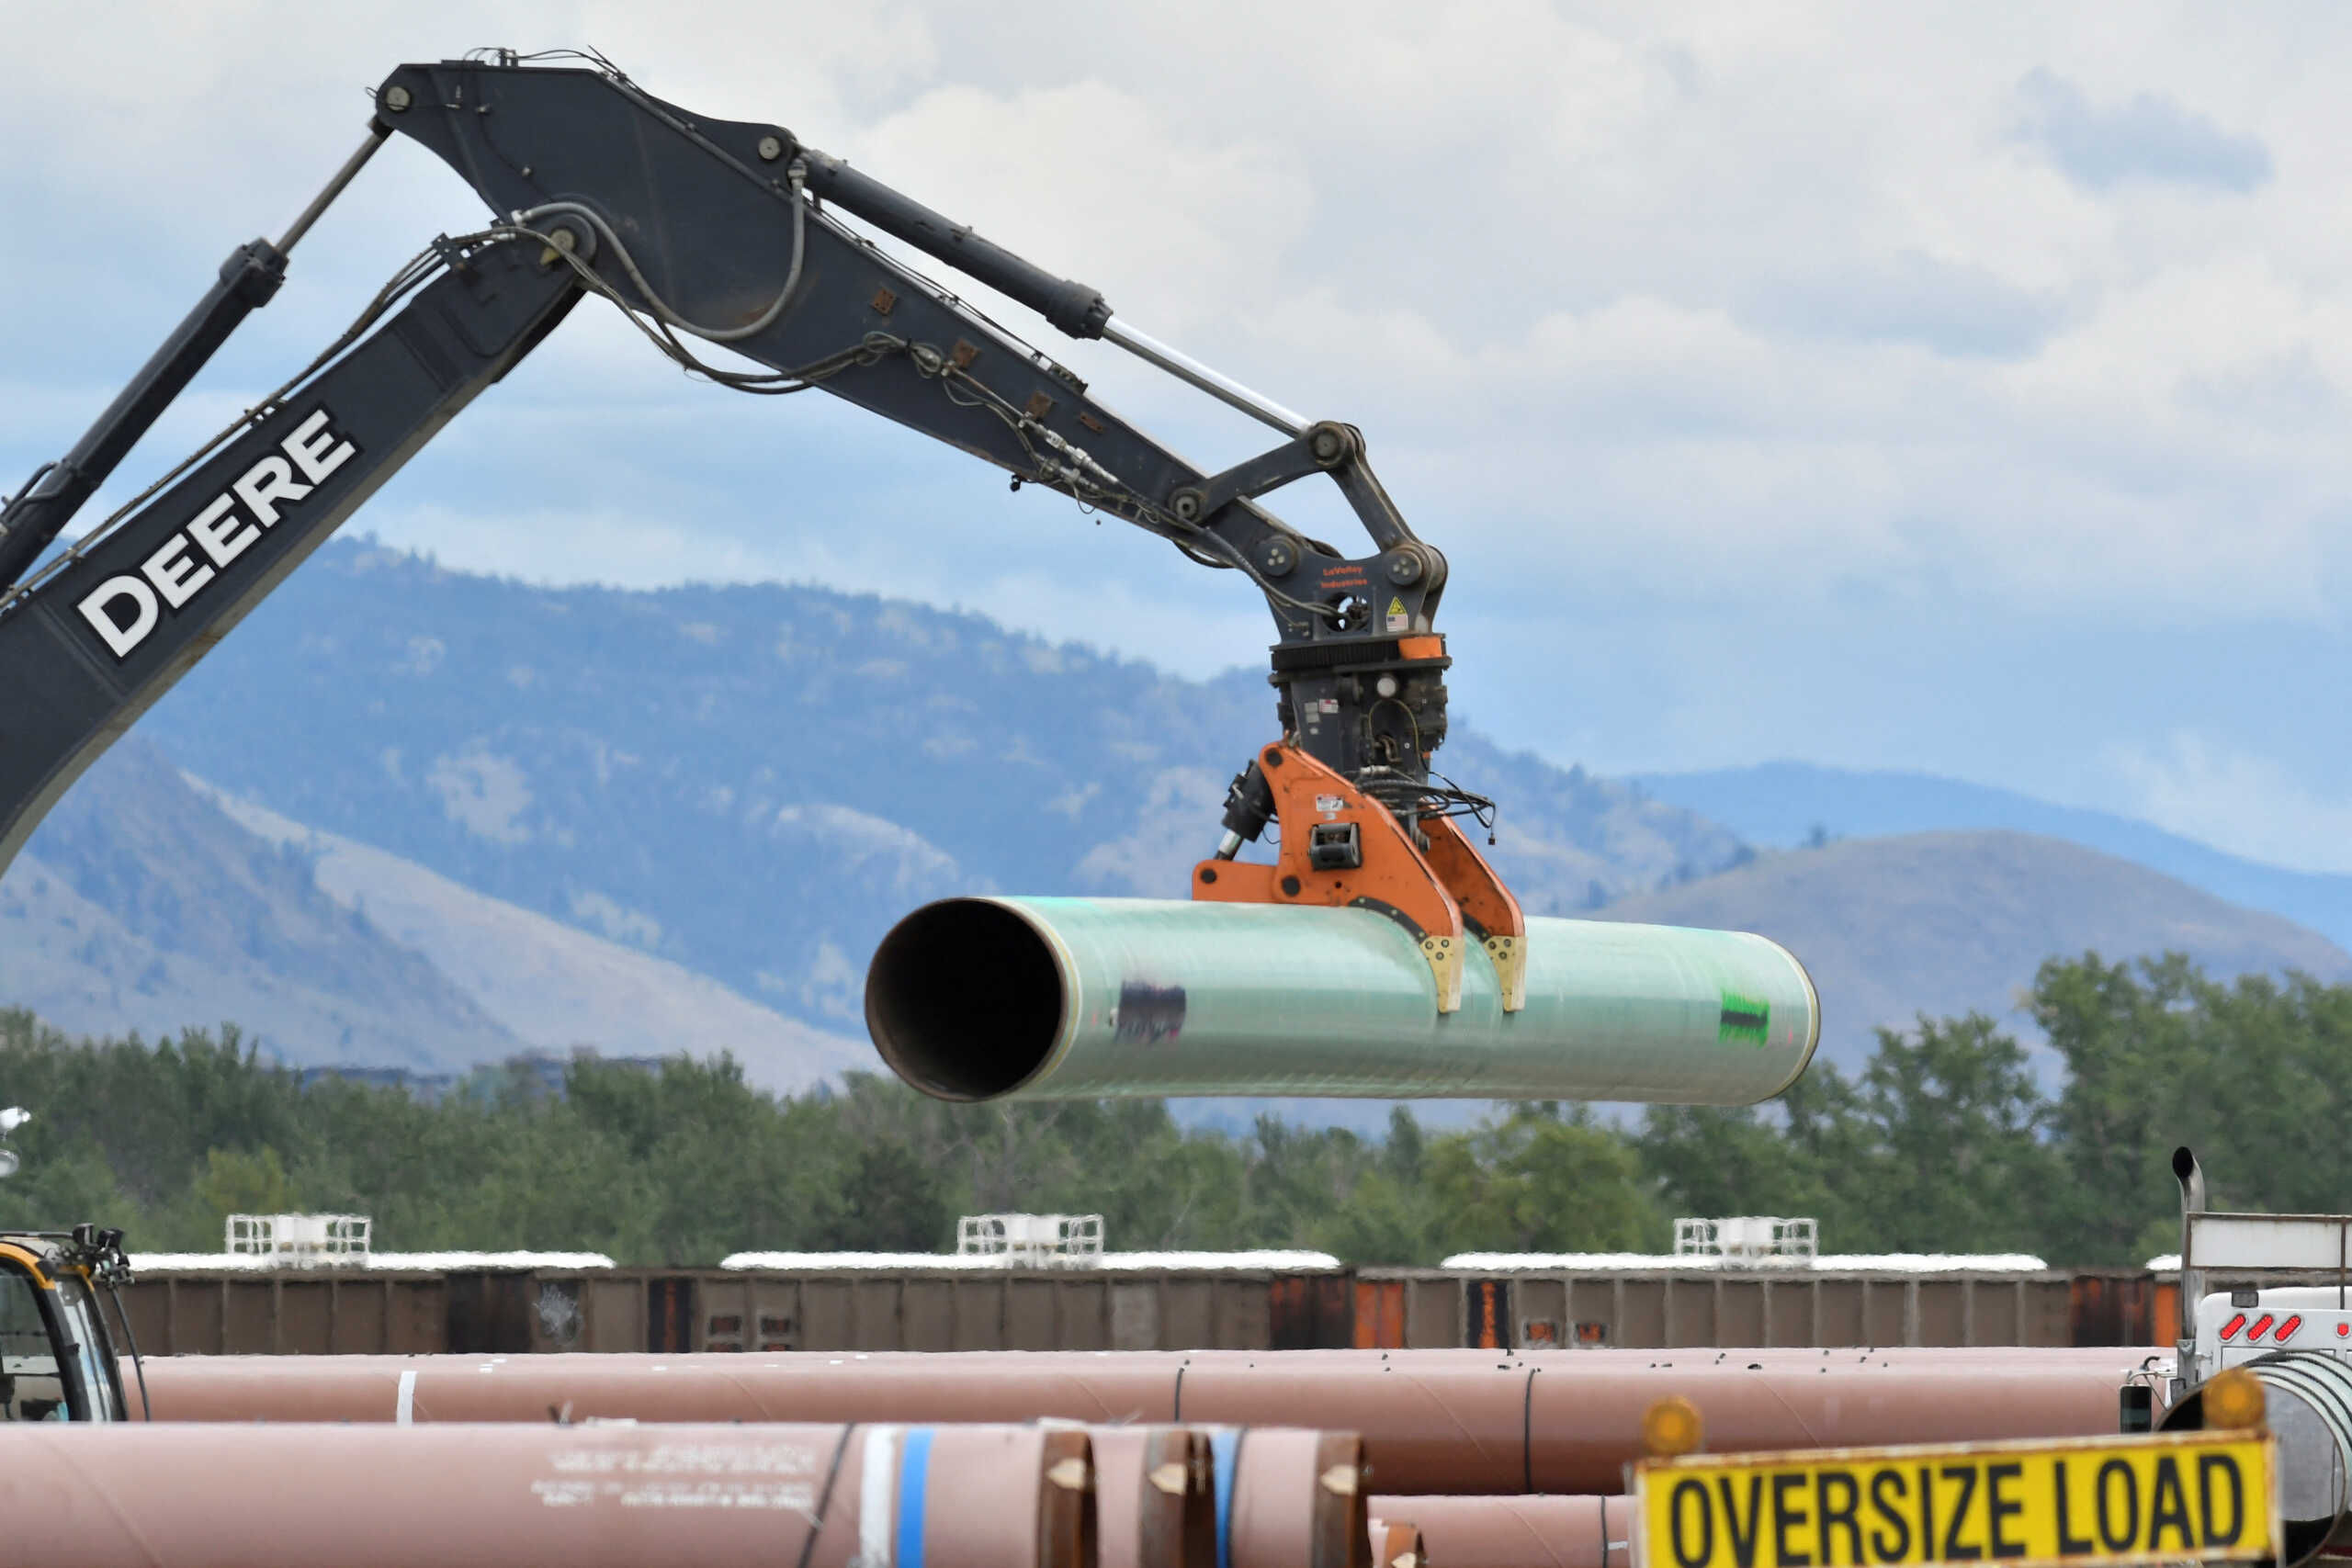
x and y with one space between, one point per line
726 243
89 643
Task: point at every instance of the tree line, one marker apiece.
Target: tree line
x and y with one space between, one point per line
1952 1137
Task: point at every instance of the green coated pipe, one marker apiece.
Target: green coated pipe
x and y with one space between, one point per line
1067 999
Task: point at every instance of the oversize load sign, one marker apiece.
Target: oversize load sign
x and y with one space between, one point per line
2179 1496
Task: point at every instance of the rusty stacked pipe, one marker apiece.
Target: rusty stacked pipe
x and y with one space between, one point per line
1155 1497
1517 1532
1432 1421
262 1496
1288 1498
1396 1543
1227 1497
979 1386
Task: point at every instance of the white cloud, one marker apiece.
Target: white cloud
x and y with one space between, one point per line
1763 320
1101 168
2248 805
2150 138
1215 625
1777 289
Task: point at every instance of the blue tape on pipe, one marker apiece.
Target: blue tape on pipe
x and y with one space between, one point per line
1225 1447
914 1469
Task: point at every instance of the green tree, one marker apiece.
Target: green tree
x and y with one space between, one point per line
229 1181
1544 1181
1959 1164
2158 1055
1942 1141
2126 1041
1812 1151
1390 1215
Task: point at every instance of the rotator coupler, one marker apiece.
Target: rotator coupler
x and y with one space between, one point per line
1375 836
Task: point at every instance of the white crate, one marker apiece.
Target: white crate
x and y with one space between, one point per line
1749 1238
298 1238
1036 1241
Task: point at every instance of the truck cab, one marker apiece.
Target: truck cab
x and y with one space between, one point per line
2234 1328
57 1360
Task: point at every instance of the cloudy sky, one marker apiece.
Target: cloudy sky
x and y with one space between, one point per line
1952 388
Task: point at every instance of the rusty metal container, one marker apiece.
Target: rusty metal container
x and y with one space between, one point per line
1517 1532
1667 1308
254 1312
898 1307
265 1496
318 1312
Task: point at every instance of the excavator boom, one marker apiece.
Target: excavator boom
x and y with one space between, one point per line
734 236
94 640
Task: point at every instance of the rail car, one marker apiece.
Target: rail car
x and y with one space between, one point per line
519 1309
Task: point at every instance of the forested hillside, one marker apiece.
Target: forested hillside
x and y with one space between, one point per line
1942 1142
140 903
143 903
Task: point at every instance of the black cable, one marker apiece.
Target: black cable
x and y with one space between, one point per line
661 308
1068 477
138 1367
868 350
825 1498
949 298
1527 1449
1435 796
1124 501
5 505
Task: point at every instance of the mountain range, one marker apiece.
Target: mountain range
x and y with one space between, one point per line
1946 923
137 906
148 902
416 818
1783 804
758 781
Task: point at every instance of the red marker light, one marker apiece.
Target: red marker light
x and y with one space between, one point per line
2231 1326
2287 1327
2342 1329
2259 1325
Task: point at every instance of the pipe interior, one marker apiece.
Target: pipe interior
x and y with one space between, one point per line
2312 1501
964 999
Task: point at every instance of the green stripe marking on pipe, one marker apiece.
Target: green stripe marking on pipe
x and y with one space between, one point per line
1744 1019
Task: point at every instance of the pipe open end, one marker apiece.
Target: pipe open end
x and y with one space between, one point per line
2309 1416
964 999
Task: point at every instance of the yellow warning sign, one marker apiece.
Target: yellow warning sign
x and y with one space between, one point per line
2208 1496
1396 604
